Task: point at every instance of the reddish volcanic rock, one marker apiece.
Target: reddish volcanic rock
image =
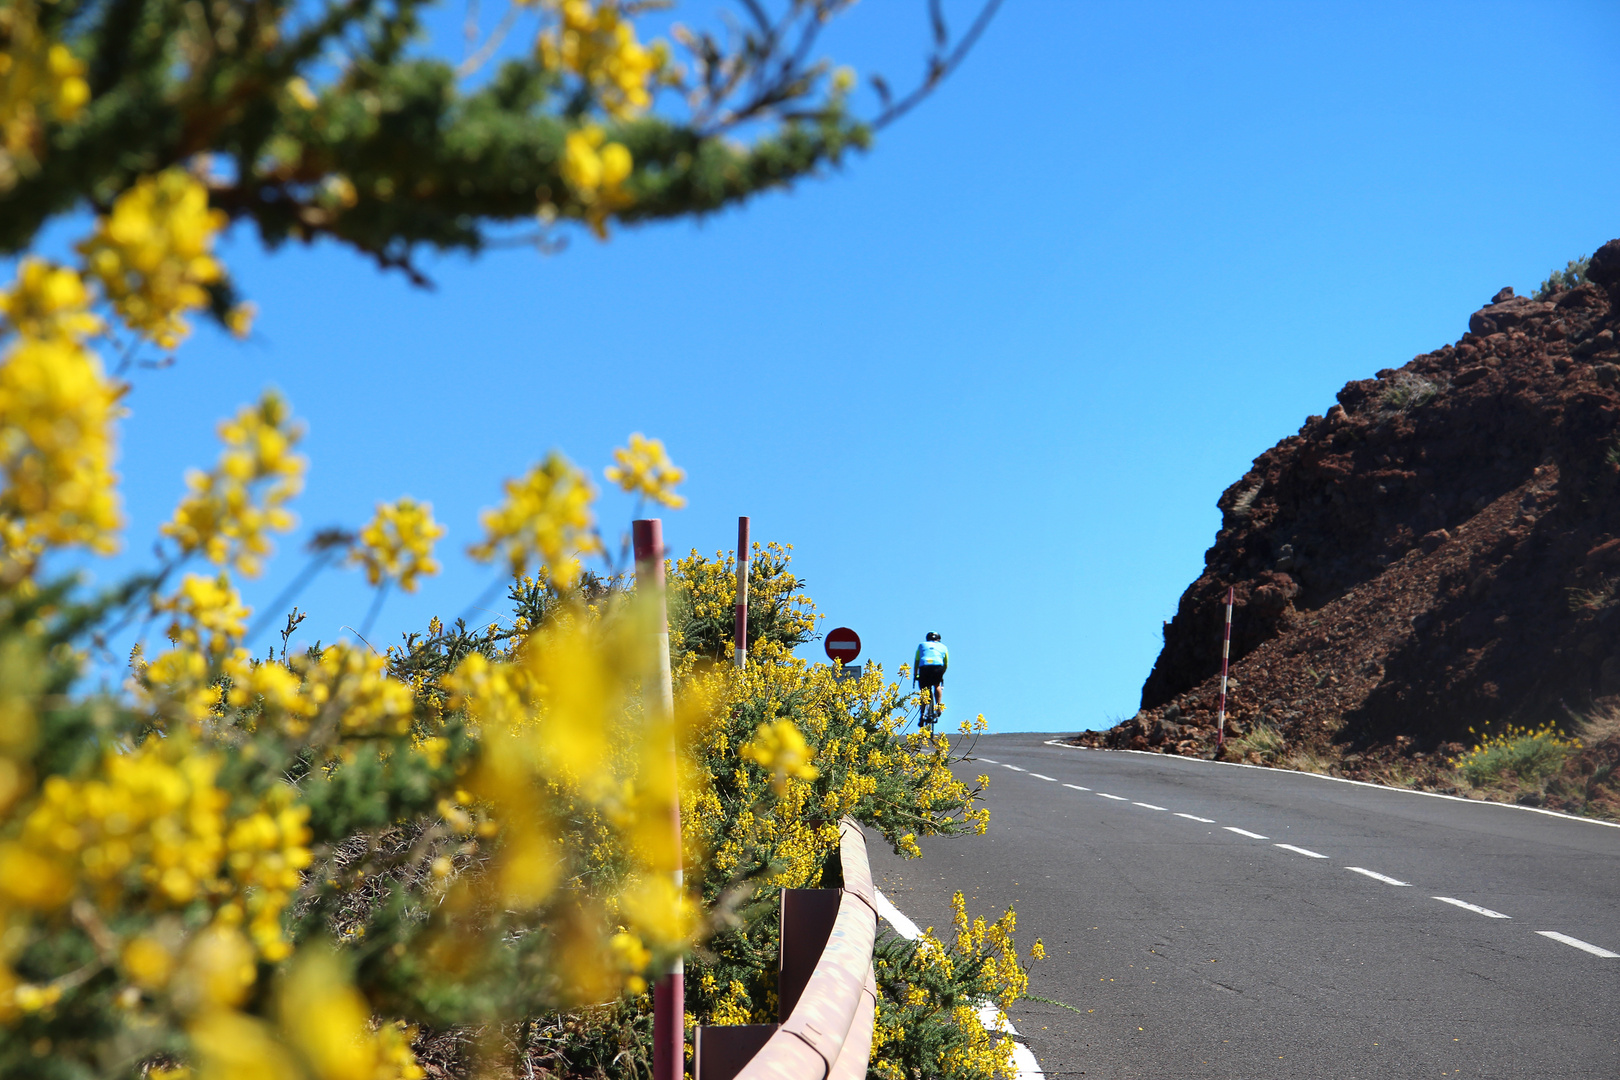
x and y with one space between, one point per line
1439 551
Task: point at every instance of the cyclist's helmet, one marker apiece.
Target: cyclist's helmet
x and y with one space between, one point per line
932 636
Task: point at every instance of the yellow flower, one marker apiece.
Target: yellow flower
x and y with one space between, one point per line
239 320
208 614
274 687
231 1046
148 962
267 850
547 514
229 512
644 469
40 81
56 446
398 543
49 301
598 44
153 254
596 171
298 89
330 1024
779 747
353 687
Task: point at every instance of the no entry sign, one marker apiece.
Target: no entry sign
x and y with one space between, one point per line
843 644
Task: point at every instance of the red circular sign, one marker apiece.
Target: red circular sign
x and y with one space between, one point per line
843 644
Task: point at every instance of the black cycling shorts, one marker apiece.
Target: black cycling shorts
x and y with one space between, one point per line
930 675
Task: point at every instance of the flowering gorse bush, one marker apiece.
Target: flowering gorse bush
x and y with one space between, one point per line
488 841
935 996
815 748
300 865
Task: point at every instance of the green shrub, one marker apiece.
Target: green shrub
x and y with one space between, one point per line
1528 756
1263 739
1567 278
1408 391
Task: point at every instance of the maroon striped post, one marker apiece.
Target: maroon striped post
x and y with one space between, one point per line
669 990
740 653
1226 652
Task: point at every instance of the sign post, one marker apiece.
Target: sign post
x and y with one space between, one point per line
739 655
1226 651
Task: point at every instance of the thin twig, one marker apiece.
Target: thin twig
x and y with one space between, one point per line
376 608
939 70
497 37
305 576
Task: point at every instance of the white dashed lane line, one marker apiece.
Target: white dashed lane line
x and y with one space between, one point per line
1466 906
1300 851
1554 935
1577 943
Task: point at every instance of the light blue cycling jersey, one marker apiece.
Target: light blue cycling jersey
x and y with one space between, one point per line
933 654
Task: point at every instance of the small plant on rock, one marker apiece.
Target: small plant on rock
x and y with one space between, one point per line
1407 391
1264 741
1559 280
1596 598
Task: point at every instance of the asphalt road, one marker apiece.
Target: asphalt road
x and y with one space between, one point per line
1182 947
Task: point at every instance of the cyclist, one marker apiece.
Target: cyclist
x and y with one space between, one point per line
929 672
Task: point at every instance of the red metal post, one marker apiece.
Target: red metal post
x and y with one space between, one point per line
1226 652
669 991
740 653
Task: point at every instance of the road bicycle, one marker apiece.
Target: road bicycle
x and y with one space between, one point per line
928 712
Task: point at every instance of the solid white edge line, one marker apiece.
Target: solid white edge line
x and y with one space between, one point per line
1024 1059
1376 876
1300 850
1116 798
1195 817
1245 832
1077 787
1043 776
989 1015
1150 806
902 925
1485 911
1575 942
1321 776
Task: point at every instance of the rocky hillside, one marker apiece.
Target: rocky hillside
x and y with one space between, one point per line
1439 552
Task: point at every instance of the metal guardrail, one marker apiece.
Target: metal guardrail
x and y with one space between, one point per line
826 987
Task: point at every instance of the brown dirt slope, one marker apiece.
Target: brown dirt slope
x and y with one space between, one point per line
1440 551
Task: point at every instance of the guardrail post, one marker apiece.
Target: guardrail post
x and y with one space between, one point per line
807 921
826 1033
720 1053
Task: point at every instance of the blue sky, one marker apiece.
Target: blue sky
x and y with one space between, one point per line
990 378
